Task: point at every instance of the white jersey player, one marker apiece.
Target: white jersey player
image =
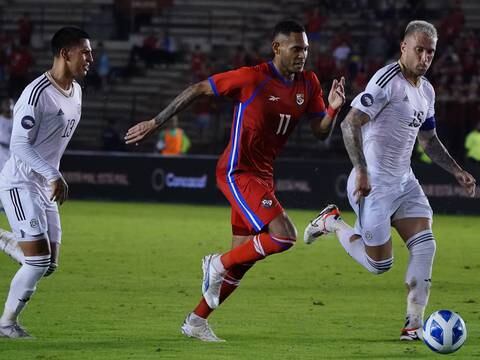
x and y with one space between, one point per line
379 133
45 118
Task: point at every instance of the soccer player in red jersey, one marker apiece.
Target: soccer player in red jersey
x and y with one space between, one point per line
270 99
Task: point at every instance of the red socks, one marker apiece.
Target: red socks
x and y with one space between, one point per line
240 259
230 283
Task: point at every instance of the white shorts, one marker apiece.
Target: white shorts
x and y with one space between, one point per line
384 204
31 215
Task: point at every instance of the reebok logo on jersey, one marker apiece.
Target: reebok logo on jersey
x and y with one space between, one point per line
300 99
274 98
28 122
60 112
366 100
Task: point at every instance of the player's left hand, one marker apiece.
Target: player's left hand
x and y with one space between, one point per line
467 181
59 190
336 97
140 131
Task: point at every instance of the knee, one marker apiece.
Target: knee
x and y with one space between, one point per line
283 243
38 264
422 243
378 267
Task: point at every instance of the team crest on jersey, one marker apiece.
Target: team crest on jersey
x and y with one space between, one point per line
366 100
267 203
300 99
28 122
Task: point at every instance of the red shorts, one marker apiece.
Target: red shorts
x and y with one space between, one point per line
253 201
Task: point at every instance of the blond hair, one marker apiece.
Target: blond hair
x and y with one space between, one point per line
423 27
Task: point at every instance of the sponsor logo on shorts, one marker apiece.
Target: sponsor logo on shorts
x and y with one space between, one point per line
34 223
28 122
366 100
267 203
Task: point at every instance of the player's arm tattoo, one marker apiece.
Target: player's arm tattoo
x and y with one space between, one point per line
434 148
185 98
352 136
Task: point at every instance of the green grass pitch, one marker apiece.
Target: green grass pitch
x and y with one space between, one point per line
129 274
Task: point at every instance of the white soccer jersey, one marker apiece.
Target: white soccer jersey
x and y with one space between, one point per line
397 110
44 120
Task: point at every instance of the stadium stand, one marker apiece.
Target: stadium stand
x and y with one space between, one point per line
218 27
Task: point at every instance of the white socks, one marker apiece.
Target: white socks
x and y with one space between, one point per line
22 287
418 277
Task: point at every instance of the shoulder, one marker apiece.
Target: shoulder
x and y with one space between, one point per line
260 71
427 86
32 92
384 76
310 76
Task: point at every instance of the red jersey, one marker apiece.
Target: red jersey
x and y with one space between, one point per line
268 108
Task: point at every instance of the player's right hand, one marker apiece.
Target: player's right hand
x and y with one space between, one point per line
362 184
59 190
140 131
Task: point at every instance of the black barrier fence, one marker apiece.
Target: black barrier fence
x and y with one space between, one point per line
305 184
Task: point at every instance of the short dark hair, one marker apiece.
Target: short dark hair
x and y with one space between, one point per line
286 27
67 37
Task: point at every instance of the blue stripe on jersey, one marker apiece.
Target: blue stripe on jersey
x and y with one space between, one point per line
233 161
316 115
257 90
429 124
280 76
212 84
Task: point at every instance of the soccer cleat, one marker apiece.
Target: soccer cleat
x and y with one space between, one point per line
319 226
212 281
411 334
199 330
14 331
10 246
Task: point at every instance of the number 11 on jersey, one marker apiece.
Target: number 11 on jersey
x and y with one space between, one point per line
283 124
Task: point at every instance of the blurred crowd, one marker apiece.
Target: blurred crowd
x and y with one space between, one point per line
350 38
